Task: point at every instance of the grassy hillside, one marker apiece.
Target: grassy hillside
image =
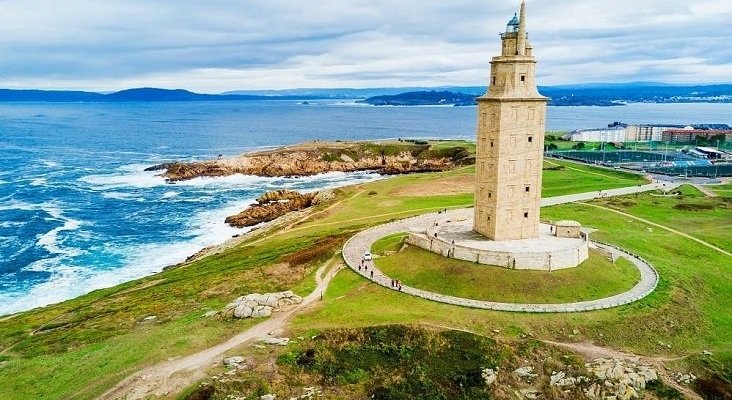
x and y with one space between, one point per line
81 347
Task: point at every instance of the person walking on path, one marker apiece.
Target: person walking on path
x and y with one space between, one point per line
372 274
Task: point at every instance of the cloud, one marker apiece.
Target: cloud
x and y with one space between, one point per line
226 45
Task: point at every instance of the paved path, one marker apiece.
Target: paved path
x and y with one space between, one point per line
571 198
707 192
354 249
356 246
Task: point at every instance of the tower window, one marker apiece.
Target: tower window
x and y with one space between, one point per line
491 144
490 195
494 80
527 188
531 139
526 215
523 78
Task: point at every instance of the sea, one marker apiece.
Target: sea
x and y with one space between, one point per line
78 212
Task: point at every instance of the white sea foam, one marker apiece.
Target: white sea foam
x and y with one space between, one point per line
141 179
121 196
65 282
206 228
49 240
38 181
170 194
11 224
49 163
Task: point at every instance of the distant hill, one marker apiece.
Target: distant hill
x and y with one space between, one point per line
48 95
129 95
351 93
602 95
422 98
597 94
609 94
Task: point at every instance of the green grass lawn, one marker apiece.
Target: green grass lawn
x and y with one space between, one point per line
596 278
724 190
564 177
81 347
689 311
693 213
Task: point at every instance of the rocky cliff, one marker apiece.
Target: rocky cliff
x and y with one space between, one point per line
319 157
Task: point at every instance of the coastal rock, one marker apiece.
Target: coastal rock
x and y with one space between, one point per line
271 206
489 375
319 157
258 305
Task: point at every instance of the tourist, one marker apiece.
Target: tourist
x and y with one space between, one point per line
372 274
359 267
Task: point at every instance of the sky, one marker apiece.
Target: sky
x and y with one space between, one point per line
218 45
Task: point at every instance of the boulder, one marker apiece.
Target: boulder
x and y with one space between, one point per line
525 372
489 375
256 305
242 311
261 311
278 341
233 362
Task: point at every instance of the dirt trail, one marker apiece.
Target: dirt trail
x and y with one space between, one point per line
591 352
171 377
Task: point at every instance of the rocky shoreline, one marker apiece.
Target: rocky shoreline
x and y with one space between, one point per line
275 204
320 157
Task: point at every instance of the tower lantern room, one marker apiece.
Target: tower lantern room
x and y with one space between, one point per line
513 24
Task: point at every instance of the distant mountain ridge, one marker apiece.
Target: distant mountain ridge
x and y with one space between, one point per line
128 95
602 95
597 94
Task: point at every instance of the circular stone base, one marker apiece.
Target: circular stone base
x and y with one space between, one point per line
455 238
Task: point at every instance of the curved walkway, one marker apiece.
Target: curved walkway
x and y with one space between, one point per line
356 246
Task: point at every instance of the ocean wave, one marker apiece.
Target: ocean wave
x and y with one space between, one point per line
48 240
142 179
66 281
11 224
38 181
121 196
48 163
136 260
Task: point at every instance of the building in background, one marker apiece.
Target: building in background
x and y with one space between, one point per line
613 135
690 135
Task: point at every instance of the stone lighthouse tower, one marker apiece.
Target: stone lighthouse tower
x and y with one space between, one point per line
510 145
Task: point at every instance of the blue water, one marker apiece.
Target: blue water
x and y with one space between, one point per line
78 213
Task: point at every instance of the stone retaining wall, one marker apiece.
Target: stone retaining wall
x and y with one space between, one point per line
544 261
